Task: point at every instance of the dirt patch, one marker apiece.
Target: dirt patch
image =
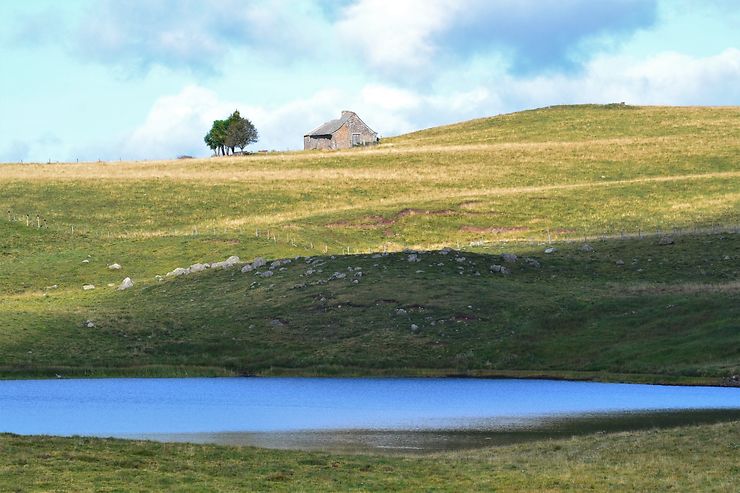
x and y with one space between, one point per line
493 229
469 204
424 212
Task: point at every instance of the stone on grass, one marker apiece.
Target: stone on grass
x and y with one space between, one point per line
226 264
509 258
114 267
178 272
88 287
255 264
414 327
586 248
89 324
534 263
198 267
665 240
413 258
500 269
86 261
126 284
619 262
267 273
550 250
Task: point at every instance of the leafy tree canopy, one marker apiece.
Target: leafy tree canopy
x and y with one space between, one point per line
226 135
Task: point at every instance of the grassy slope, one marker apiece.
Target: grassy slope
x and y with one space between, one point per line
697 458
510 180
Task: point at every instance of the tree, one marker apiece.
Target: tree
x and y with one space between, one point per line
240 132
225 135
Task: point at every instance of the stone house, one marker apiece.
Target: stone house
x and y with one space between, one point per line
345 132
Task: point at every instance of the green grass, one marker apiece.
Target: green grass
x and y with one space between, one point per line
505 183
669 312
695 458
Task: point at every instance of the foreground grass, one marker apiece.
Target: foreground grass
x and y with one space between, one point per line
668 314
696 458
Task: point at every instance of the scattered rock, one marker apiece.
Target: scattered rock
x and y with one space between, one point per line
413 258
89 324
126 284
88 287
226 264
400 311
460 259
509 258
267 273
53 286
114 267
376 255
178 272
500 269
414 327
534 263
445 251
551 250
276 322
586 248
619 262
86 261
665 240
199 267
159 278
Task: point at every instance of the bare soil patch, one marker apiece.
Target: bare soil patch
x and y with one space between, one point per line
493 229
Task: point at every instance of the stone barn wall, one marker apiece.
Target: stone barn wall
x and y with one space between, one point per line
341 136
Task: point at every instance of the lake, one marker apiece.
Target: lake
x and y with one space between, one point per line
351 414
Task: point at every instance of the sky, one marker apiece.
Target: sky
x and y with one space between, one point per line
144 79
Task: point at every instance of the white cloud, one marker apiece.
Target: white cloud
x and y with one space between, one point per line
665 79
392 34
413 38
176 125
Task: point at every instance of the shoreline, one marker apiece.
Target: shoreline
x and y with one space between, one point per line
52 373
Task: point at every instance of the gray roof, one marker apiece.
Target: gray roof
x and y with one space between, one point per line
330 127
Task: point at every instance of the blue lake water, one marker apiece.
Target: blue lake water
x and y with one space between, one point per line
331 413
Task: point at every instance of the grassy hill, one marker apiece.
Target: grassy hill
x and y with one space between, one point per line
618 176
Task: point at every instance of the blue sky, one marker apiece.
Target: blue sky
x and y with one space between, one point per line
139 79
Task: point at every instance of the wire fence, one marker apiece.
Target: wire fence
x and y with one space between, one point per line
281 236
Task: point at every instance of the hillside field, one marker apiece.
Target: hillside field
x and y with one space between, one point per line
616 177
